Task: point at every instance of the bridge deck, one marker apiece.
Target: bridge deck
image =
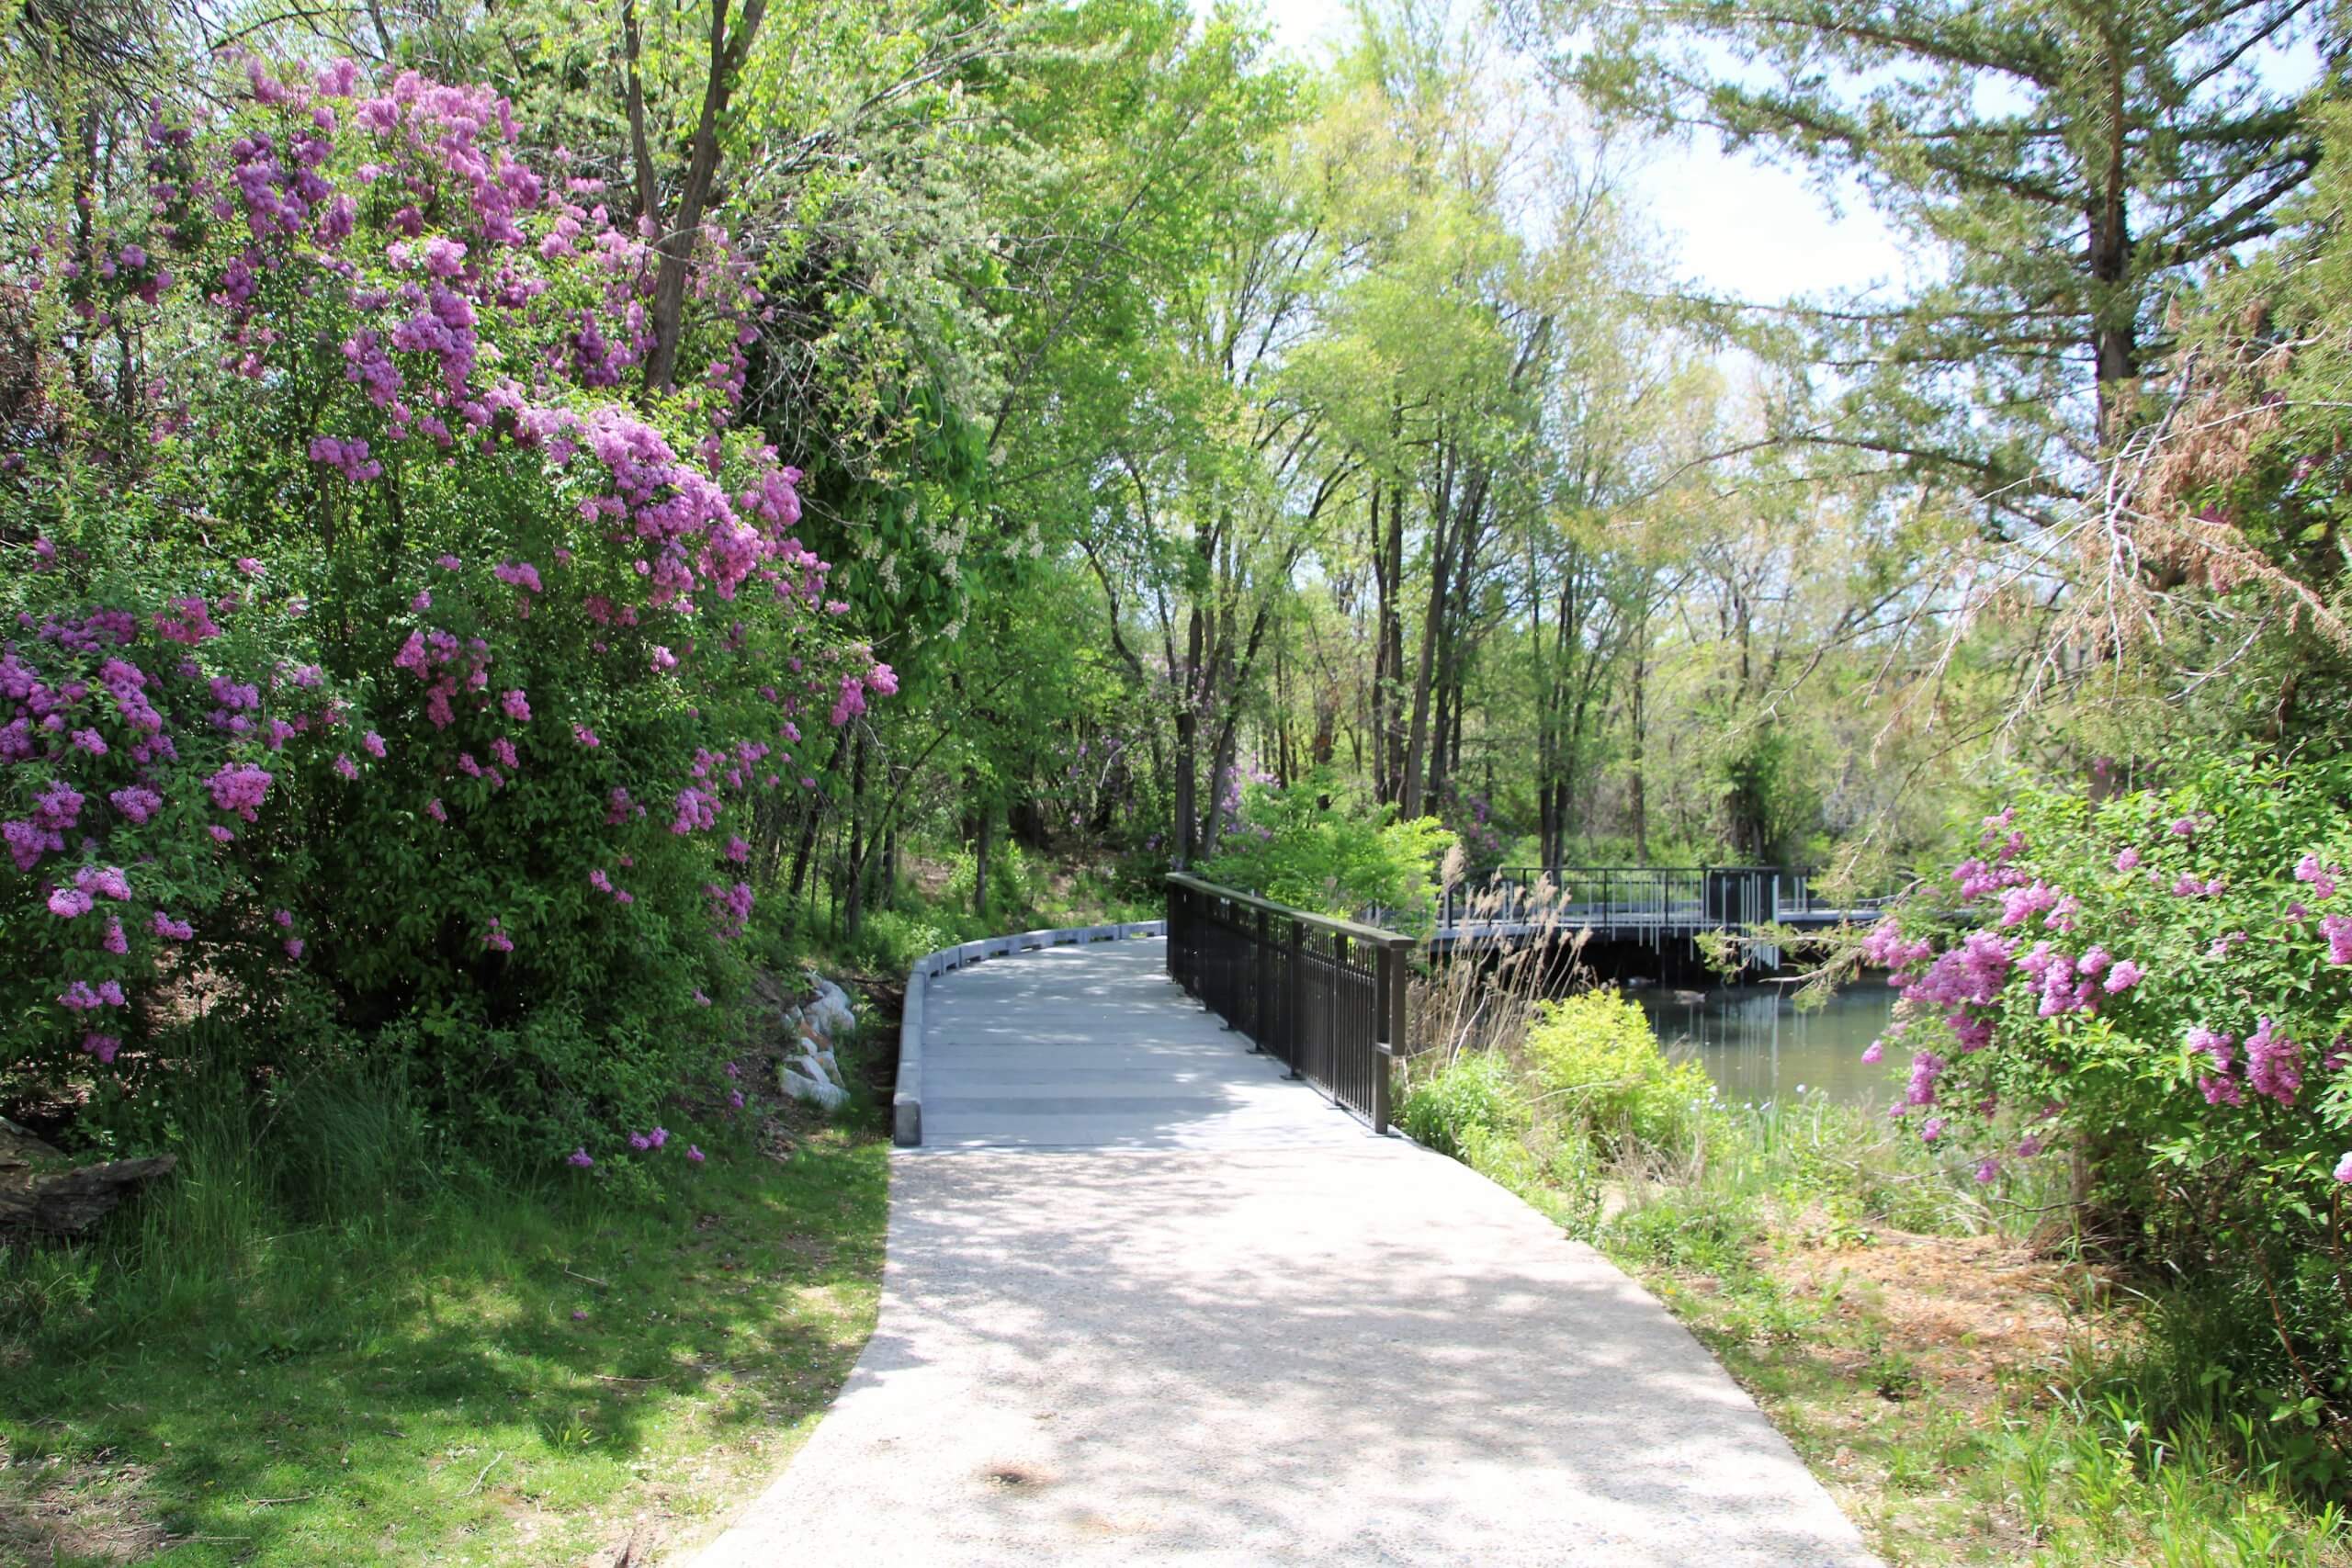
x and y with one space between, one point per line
1094 1048
1218 1322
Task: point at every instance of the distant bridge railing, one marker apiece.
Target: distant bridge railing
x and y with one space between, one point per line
1647 902
1324 997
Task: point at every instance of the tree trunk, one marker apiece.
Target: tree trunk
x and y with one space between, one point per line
854 906
676 242
980 863
1417 737
1640 801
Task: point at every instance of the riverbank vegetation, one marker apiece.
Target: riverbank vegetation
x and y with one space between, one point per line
1975 1378
524 525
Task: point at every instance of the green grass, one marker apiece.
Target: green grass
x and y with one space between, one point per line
1968 1399
2051 1466
322 1360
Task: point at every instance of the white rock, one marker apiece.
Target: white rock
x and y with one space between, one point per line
830 1012
832 1097
819 1065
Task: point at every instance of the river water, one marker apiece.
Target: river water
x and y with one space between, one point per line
1758 1046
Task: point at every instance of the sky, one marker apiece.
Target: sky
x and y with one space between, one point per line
1742 228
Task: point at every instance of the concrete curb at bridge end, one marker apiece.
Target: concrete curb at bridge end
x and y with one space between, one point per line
906 1099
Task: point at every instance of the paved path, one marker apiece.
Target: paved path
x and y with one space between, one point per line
1180 1310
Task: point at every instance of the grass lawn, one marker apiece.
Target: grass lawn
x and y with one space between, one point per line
473 1376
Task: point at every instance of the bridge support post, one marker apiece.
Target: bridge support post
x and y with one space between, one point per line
1389 1031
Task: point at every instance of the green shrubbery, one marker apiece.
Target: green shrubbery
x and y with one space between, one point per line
1313 848
1587 1094
391 672
1599 1070
2158 988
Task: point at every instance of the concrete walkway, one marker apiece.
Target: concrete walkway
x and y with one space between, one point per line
1146 1301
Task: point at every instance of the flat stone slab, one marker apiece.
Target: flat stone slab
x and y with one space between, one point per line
1258 1350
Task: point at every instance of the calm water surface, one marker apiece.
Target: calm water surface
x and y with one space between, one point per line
1758 1046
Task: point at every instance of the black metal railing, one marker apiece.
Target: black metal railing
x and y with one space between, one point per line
1647 901
1325 996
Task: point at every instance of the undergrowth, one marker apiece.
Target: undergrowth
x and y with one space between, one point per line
1871 1295
329 1337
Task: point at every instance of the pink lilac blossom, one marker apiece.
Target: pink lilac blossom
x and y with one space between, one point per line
2019 903
1972 973
2343 1167
102 1046
239 788
348 458
496 939
517 706
695 1155
2124 976
580 1158
165 926
2129 860
1969 1030
373 743
69 903
2274 1064
2321 878
2222 1090
2337 928
107 881
1926 1067
697 811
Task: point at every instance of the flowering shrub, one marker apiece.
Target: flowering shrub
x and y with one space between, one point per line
2161 984
386 659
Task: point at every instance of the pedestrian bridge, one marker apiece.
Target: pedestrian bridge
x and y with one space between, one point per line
1650 905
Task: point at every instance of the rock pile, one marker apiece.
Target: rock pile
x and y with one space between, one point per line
813 1075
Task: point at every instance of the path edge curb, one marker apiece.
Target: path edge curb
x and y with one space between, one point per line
906 1098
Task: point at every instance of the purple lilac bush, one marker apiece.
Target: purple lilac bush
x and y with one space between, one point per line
2159 985
386 669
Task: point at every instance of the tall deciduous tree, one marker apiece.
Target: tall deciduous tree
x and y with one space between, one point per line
2073 160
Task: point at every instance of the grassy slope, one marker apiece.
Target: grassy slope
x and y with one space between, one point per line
483 1377
1941 1390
